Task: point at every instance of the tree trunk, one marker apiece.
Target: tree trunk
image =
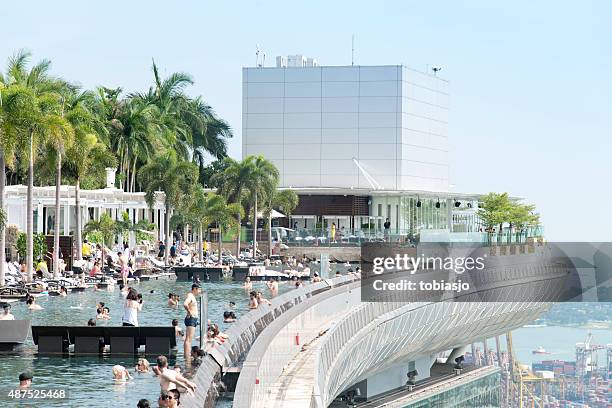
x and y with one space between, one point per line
127 175
200 245
2 228
56 229
255 227
103 256
167 231
30 212
270 236
77 233
238 236
220 239
186 233
133 183
120 169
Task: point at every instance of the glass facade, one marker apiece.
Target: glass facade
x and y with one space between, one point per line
483 392
431 214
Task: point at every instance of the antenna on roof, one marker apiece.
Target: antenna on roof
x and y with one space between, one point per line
258 52
353 49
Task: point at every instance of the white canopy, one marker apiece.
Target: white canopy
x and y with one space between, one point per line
275 214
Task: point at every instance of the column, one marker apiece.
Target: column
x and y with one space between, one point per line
486 352
155 222
67 219
39 216
162 223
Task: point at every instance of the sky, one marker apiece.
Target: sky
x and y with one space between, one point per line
531 90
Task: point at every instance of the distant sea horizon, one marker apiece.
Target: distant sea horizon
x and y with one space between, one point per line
558 341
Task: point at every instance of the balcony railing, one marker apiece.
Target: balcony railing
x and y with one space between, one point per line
355 237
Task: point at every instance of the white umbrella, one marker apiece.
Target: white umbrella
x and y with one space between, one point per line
275 214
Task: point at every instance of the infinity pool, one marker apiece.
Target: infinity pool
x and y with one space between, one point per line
89 379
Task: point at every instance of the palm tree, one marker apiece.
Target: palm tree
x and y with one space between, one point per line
233 184
192 211
174 178
223 214
5 145
189 125
286 201
39 119
132 128
60 140
265 179
87 153
106 227
12 100
208 132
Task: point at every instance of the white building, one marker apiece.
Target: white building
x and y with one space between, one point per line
93 203
372 139
374 127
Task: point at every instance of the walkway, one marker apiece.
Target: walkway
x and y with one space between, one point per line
293 389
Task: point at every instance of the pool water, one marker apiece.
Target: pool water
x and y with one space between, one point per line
89 379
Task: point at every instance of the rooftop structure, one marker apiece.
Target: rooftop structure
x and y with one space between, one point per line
352 127
93 203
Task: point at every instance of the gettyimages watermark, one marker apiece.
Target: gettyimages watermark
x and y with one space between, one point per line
462 272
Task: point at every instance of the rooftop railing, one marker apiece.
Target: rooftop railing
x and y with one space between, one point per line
305 237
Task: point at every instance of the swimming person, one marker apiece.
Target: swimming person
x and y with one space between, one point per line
191 319
171 300
32 305
261 299
103 313
170 379
130 309
6 314
175 399
63 291
248 285
142 366
25 380
143 403
273 286
253 304
229 317
177 330
120 373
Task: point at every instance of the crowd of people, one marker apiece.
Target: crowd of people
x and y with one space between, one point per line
173 381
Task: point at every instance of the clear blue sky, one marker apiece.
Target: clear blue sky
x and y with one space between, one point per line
530 80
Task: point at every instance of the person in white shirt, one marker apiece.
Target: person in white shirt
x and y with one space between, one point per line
130 309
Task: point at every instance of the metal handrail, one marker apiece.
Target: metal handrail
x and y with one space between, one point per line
243 334
252 366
